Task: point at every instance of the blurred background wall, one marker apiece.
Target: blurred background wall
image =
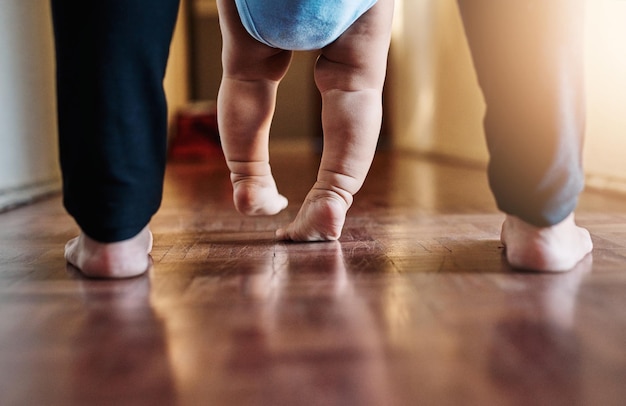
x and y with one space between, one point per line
28 148
606 91
436 105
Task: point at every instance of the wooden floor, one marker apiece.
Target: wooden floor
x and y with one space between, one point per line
414 306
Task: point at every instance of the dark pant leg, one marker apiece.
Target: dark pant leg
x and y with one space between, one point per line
529 62
111 60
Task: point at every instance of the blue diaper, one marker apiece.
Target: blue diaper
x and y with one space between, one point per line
299 24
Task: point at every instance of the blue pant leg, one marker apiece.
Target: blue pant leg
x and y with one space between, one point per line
112 114
528 56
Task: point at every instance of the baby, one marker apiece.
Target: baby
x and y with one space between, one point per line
259 37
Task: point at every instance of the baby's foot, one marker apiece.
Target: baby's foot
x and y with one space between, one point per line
257 195
320 218
550 249
123 259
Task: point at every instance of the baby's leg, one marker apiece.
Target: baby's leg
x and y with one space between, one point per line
123 259
246 103
350 74
549 249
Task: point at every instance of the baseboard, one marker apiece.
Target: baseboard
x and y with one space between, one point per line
606 183
11 198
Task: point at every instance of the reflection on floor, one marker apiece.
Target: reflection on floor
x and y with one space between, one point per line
414 305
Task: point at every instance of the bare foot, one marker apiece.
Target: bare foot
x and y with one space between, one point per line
549 249
123 259
320 218
257 195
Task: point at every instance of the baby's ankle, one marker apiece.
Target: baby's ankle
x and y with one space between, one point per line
321 218
257 196
320 192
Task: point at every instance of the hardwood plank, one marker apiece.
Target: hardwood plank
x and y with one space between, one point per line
414 305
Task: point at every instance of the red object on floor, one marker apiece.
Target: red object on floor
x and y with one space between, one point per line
196 136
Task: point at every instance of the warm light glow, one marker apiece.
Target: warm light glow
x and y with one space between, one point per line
398 22
606 93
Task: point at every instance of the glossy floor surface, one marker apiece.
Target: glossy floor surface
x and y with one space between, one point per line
414 305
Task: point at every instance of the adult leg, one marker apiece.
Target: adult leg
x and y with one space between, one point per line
111 59
529 62
246 102
349 74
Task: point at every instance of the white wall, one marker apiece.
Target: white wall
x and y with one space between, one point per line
605 146
28 148
176 81
438 107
